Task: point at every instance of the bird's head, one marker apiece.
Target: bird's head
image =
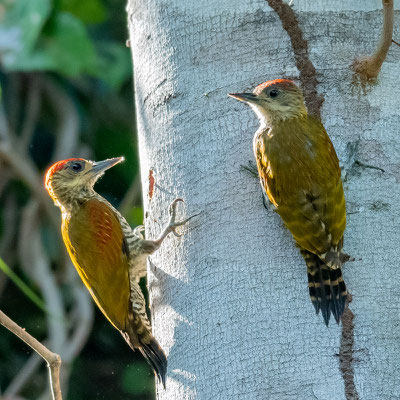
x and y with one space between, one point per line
71 181
273 101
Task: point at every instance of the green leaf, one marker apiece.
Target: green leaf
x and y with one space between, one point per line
138 379
64 47
20 25
22 286
88 11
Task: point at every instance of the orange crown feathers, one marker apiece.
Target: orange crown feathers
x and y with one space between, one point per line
283 83
59 165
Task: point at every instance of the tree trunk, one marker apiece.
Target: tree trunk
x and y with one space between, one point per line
230 301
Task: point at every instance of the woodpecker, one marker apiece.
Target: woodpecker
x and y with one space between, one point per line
299 173
108 255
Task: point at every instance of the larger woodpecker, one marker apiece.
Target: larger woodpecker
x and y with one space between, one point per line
299 173
109 257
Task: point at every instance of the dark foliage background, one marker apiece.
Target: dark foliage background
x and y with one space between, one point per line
66 81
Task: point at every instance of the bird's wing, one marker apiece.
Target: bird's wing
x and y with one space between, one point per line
267 179
302 179
325 185
95 241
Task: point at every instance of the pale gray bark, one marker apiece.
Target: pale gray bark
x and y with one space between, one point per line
229 299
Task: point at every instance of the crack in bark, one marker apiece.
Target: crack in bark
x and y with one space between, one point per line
346 352
308 77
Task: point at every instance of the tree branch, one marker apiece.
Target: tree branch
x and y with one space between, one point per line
53 360
368 67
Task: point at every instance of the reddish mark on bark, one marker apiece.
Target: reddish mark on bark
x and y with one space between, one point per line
151 183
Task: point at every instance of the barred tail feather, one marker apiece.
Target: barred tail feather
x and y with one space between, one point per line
138 336
326 286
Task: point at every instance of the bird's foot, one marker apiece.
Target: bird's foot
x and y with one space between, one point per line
153 245
173 224
138 231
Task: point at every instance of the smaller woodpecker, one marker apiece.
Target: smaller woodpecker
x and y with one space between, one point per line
299 173
109 257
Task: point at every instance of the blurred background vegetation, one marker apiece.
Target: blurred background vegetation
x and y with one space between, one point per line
66 81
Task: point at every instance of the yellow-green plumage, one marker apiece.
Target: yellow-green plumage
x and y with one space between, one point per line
109 257
94 239
299 172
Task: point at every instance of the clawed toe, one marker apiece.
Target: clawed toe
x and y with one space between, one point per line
172 207
183 223
172 212
138 231
173 224
178 235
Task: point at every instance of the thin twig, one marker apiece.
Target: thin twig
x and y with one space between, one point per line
368 67
80 322
53 360
393 41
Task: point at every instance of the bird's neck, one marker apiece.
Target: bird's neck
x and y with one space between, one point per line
70 200
275 123
269 118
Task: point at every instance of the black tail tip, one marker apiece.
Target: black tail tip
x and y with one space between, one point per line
156 358
162 378
326 288
330 307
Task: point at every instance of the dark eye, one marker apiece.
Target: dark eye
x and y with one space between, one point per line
76 166
273 93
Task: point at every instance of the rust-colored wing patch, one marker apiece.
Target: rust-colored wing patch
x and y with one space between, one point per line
94 239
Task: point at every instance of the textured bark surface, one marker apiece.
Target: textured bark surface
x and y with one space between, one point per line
229 299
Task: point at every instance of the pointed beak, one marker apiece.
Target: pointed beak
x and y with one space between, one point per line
99 167
246 97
